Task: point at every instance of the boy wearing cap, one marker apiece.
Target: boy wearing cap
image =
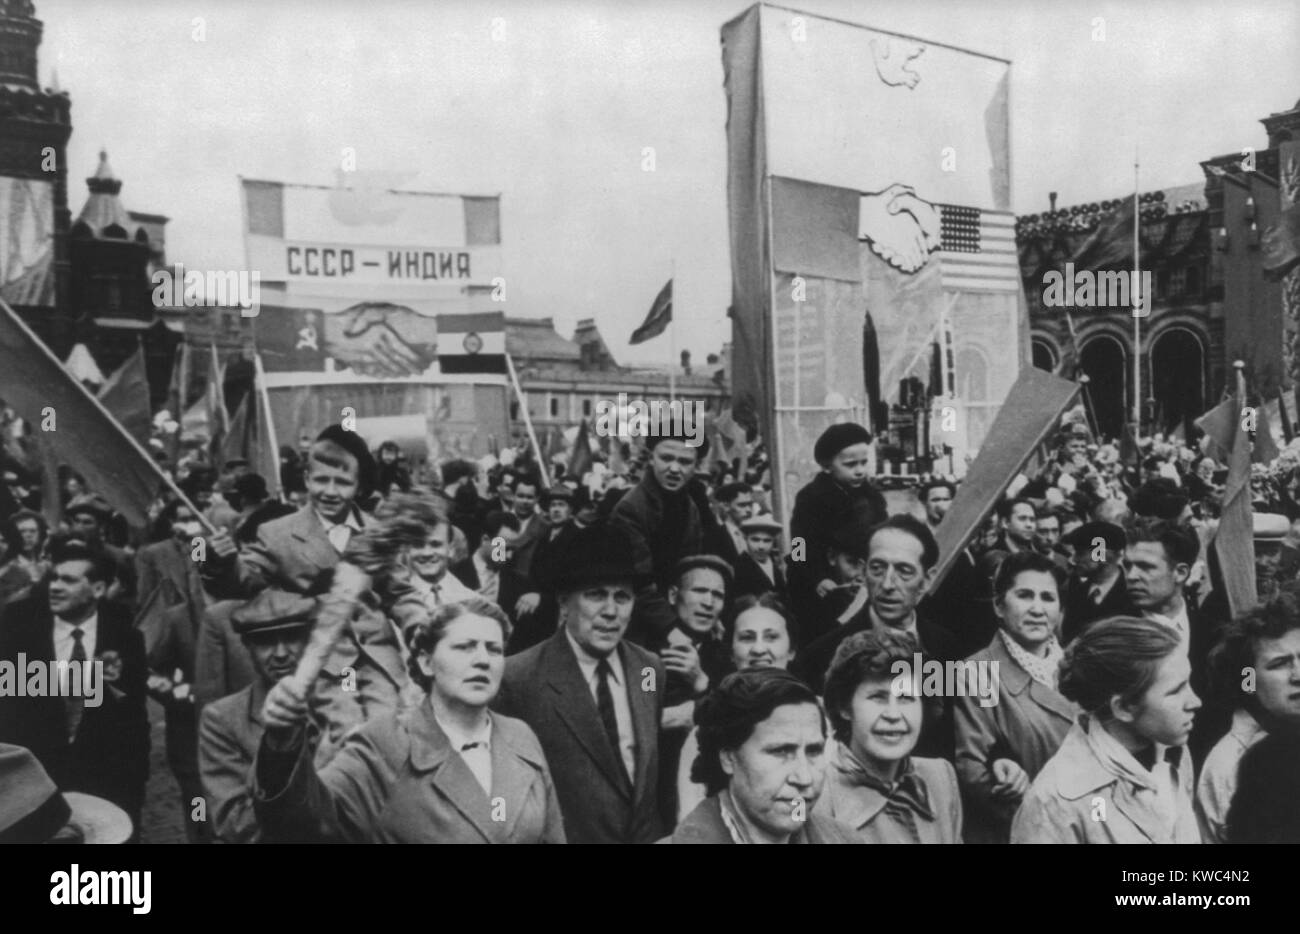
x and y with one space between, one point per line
843 451
274 626
757 572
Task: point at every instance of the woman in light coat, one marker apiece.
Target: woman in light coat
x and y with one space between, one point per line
447 770
1006 735
1123 774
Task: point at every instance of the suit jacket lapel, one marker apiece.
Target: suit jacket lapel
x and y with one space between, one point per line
645 724
431 752
577 708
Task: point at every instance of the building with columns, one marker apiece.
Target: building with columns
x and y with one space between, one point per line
1212 302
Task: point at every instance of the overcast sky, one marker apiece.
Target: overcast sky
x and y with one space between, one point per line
554 116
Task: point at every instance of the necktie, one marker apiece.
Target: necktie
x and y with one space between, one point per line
74 707
605 706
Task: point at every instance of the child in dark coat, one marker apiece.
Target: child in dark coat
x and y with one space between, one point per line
843 453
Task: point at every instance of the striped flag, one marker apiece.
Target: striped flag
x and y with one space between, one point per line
472 343
977 249
661 313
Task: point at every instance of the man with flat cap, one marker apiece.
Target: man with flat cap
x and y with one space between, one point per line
757 571
1096 588
88 516
593 699
274 626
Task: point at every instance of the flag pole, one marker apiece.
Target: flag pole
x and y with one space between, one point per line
269 437
1137 319
672 336
528 421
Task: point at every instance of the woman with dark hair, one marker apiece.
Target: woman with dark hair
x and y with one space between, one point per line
1003 741
1122 774
762 634
1255 672
762 761
446 771
874 784
1265 808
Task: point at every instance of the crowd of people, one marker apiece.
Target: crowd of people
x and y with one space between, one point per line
474 653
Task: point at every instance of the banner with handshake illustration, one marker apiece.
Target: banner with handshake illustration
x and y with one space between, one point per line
871 226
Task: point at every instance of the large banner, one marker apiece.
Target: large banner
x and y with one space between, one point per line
869 195
26 241
368 293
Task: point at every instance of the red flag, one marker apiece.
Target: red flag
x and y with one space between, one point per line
74 424
126 396
1220 427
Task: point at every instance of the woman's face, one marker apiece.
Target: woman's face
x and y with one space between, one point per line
1164 714
1030 610
1277 676
885 719
467 662
777 774
760 640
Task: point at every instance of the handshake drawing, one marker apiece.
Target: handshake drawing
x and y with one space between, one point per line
902 229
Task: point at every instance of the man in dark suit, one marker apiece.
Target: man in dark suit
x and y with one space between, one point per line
593 699
93 741
727 540
1096 588
488 572
899 558
756 570
533 527
172 602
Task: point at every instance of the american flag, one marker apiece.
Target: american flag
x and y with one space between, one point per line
977 249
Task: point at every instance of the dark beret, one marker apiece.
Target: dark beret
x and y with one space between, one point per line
1083 537
838 437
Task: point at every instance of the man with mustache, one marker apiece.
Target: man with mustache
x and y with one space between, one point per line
594 699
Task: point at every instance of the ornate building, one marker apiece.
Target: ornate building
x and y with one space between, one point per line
1182 336
1212 302
83 282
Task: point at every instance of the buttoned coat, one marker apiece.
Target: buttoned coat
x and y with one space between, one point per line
1026 723
1077 798
544 687
398 780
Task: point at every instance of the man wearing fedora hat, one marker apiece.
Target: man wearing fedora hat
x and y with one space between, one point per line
593 699
33 810
274 626
88 515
